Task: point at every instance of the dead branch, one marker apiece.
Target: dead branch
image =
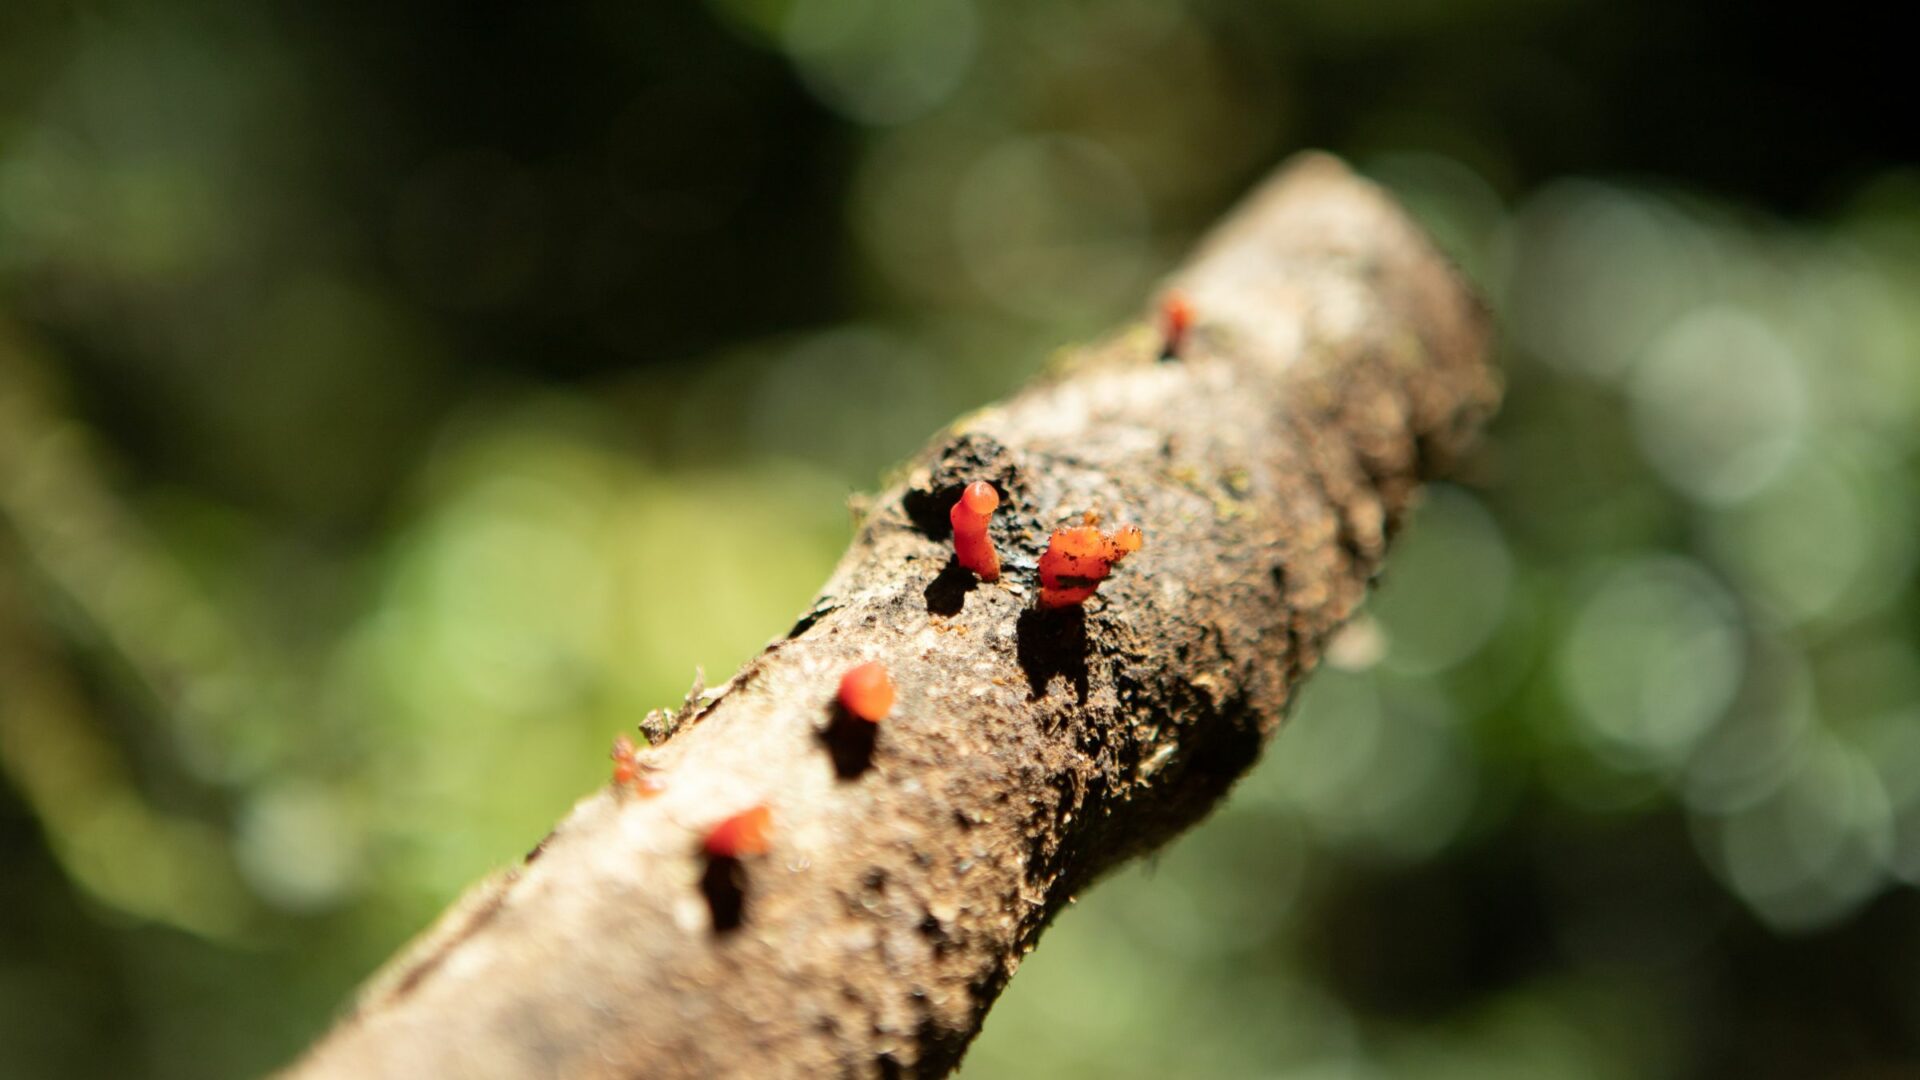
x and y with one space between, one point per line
1335 361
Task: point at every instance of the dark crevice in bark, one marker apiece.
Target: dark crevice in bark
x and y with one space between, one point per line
1053 644
968 457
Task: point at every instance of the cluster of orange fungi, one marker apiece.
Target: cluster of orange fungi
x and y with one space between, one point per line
1078 558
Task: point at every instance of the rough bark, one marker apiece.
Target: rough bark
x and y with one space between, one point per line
1337 360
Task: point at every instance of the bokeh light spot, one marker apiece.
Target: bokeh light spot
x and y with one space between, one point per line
1449 587
878 61
1595 272
297 846
1653 657
1719 403
1052 227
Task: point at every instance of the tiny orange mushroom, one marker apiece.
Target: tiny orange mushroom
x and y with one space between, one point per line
1176 318
1079 558
972 547
866 691
629 772
749 832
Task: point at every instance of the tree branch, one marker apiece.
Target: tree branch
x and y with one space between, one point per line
1336 360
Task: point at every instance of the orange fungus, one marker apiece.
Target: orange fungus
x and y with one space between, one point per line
625 767
1176 317
972 547
866 691
745 833
1079 558
629 771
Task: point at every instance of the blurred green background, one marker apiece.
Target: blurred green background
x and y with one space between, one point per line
395 399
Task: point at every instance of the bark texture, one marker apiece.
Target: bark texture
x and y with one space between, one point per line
1336 361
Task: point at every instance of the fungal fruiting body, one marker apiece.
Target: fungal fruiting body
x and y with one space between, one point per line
724 881
1079 558
972 547
629 772
748 832
866 691
1176 316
